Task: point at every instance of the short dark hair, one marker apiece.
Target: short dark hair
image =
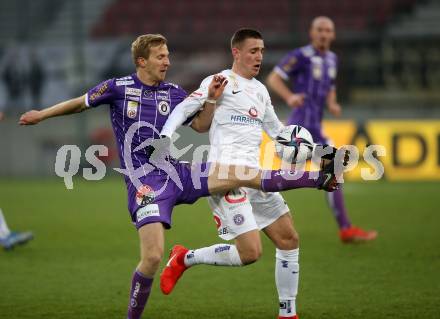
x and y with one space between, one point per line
242 34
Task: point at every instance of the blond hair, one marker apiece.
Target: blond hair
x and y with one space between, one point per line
140 48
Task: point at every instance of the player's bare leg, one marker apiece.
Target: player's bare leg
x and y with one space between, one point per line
151 242
286 240
249 247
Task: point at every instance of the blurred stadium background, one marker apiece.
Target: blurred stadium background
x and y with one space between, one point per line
389 87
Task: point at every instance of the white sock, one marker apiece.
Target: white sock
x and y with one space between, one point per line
217 255
4 230
286 279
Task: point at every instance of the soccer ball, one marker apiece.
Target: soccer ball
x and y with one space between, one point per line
294 144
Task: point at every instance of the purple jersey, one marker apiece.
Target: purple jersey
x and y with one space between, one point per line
132 102
138 112
313 74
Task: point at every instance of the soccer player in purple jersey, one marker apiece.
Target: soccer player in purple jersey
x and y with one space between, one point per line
139 107
311 71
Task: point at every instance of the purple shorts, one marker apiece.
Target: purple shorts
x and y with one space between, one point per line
318 137
154 201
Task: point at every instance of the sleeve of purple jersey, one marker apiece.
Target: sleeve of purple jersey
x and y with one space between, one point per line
289 64
103 93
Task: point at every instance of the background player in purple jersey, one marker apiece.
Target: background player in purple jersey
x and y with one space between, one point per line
311 71
139 106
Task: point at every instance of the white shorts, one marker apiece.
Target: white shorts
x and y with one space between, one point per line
245 209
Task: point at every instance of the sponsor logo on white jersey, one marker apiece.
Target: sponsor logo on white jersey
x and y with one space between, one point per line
245 120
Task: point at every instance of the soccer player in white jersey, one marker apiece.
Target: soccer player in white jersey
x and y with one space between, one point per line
10 239
243 111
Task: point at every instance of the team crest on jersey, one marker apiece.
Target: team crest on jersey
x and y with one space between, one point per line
253 112
132 107
145 195
163 107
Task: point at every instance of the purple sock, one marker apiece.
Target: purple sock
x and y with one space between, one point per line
140 291
281 180
336 203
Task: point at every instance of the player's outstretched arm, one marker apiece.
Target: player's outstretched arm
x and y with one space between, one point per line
276 83
202 122
332 104
191 105
75 105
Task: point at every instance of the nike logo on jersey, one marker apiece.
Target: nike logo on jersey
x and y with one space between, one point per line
235 92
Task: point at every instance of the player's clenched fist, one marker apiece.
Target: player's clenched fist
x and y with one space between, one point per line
296 100
30 118
216 87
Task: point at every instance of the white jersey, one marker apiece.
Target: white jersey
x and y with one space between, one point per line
243 112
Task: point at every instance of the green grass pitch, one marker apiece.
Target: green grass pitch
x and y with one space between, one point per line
85 249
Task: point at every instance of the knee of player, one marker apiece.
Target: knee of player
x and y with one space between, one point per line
288 241
152 259
250 256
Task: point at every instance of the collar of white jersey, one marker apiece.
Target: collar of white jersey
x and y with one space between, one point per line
239 77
